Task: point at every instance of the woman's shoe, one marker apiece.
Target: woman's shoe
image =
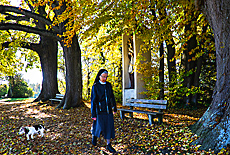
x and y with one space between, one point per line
110 148
94 140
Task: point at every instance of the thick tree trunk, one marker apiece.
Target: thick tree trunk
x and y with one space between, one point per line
214 126
190 63
73 95
196 80
47 51
48 58
161 73
171 60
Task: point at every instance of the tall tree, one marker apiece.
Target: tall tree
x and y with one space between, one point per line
50 30
46 48
72 54
199 64
47 51
73 95
214 126
189 58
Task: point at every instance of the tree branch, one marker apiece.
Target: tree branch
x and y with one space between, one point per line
27 13
7 26
31 46
17 18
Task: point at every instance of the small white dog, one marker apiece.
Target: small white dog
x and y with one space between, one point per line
36 129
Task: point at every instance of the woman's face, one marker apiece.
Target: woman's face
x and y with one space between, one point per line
103 77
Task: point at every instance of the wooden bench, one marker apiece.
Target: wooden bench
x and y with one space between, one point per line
58 98
160 105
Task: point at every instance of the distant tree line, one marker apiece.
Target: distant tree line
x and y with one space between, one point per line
18 88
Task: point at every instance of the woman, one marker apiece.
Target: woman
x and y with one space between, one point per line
102 103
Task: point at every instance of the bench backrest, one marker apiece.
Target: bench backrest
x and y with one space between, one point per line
144 103
60 96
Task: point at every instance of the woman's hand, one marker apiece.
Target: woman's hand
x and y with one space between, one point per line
94 118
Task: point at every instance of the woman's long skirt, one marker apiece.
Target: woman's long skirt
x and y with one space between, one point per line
104 125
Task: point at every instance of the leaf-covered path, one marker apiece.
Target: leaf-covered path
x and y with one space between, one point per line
68 132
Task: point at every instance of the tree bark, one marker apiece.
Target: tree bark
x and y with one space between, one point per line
47 51
190 63
73 95
214 126
161 72
48 58
171 60
196 80
72 55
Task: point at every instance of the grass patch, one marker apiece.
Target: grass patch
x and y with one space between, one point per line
13 99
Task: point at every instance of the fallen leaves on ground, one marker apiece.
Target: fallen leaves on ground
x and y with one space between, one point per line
68 131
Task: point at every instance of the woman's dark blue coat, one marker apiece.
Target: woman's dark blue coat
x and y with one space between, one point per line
102 106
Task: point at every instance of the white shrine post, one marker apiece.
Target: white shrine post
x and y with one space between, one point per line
138 83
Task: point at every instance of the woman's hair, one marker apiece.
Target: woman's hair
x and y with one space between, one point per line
101 71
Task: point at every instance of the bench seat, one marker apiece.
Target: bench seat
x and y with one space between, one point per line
154 104
58 98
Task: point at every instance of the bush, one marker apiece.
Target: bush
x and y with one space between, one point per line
19 87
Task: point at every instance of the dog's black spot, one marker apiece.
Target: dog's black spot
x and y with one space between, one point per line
37 127
26 130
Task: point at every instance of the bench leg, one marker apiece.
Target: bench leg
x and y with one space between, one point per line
122 114
160 119
131 114
150 119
